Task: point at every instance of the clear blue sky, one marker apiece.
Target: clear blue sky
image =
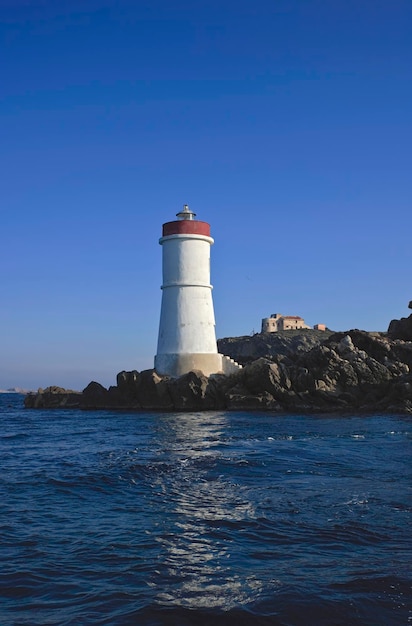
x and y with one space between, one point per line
286 124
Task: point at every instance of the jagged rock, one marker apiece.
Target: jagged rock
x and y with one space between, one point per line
401 329
401 351
53 398
126 381
128 388
375 345
323 363
193 391
95 396
351 374
264 377
152 391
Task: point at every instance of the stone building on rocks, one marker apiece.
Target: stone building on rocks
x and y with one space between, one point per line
277 322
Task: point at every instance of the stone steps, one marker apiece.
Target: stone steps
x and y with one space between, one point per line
229 365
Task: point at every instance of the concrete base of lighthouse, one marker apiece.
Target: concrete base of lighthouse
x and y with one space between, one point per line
176 365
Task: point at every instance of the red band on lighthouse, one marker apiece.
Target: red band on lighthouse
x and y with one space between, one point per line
186 227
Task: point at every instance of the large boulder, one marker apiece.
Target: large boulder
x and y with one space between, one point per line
128 386
264 375
194 392
324 368
267 380
143 390
152 391
401 329
95 396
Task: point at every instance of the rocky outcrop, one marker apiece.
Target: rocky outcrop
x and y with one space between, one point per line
269 345
401 329
53 398
354 371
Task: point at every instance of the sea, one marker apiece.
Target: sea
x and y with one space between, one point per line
243 518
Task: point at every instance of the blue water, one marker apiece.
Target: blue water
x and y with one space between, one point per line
204 518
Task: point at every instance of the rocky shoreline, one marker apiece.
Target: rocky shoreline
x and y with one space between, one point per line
300 372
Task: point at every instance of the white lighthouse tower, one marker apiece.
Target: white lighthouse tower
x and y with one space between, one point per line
187 337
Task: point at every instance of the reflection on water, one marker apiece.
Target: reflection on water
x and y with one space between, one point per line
197 566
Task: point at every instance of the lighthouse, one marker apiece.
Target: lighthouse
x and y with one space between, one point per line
187 337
